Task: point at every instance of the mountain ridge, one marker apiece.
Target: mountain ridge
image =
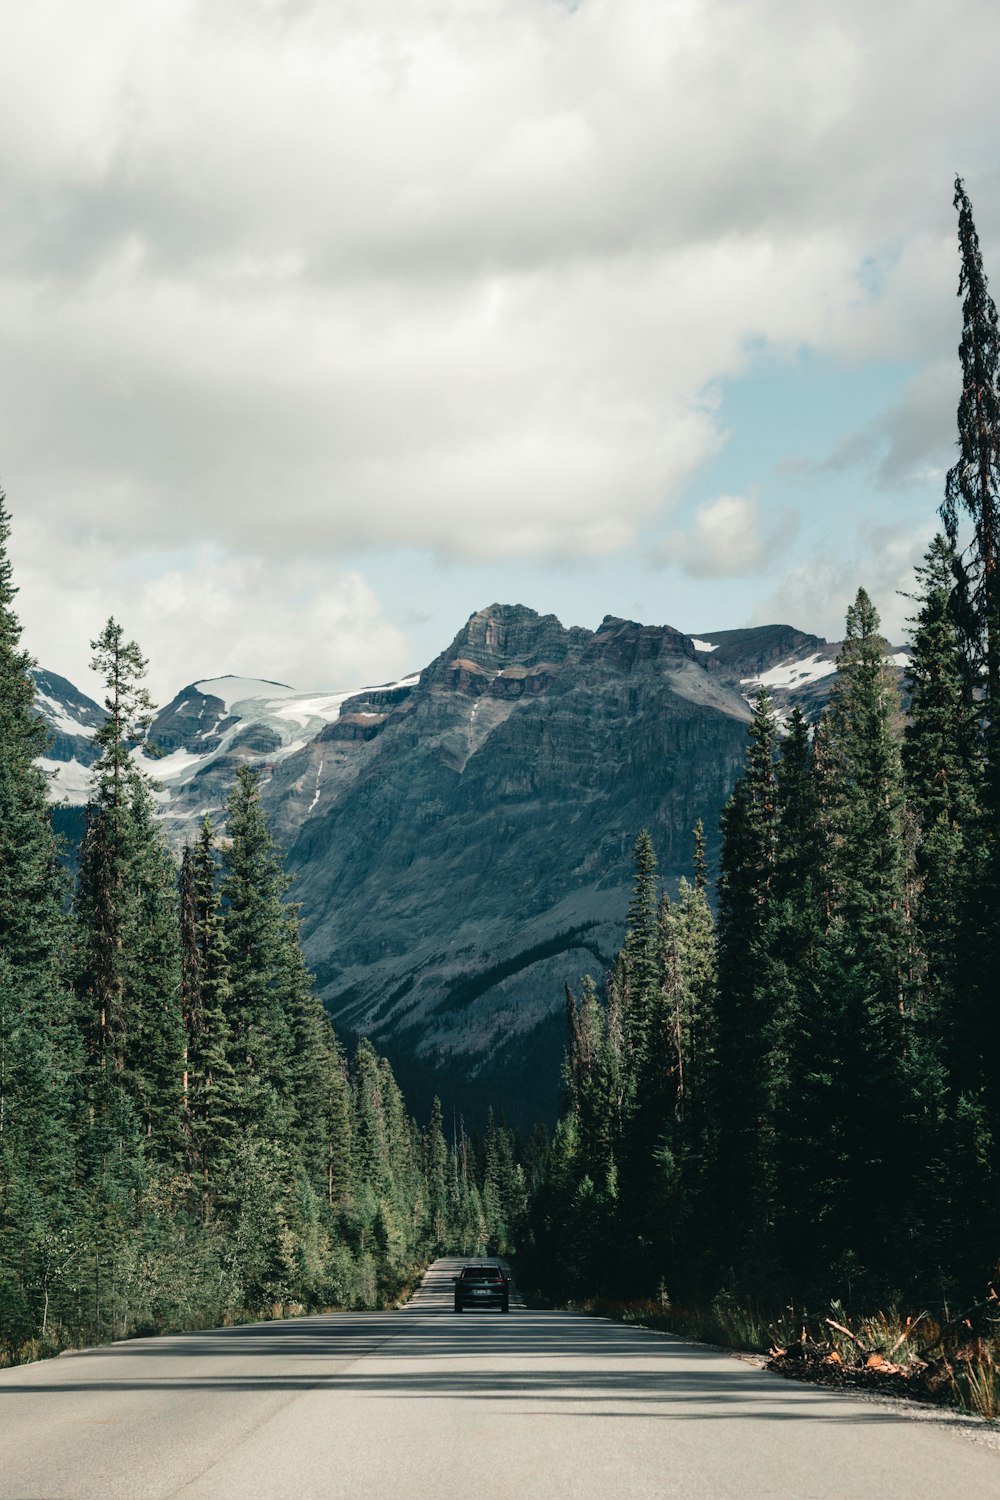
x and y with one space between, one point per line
461 837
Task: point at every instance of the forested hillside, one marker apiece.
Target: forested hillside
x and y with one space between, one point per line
182 1141
799 1099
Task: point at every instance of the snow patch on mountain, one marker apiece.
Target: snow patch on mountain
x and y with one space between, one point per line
793 674
167 767
58 719
319 783
69 781
275 700
325 706
703 645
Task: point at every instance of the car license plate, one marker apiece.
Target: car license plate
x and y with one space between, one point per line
480 1291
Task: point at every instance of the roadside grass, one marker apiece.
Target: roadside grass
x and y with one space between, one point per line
971 1374
724 1321
977 1386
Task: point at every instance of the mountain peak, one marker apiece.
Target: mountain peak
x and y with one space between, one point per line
628 642
503 635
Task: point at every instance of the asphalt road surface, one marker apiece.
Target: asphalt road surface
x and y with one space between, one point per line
422 1404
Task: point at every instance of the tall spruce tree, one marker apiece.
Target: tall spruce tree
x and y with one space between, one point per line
943 770
866 849
39 1058
953 1014
256 925
740 1084
796 1037
972 483
971 491
639 954
436 1171
209 1092
869 961
128 970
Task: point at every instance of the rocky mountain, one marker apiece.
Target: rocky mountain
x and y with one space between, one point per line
461 838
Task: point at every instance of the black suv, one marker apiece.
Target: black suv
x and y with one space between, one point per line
482 1286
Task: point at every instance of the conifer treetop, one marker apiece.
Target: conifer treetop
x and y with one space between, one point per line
123 666
130 713
23 731
973 482
7 588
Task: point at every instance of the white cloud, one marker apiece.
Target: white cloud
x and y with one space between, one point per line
815 593
290 278
726 539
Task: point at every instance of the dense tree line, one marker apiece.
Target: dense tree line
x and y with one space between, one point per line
182 1140
805 1101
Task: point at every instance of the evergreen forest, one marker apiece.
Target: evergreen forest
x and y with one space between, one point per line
794 1097
182 1141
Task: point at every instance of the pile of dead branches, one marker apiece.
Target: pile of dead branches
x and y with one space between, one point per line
926 1373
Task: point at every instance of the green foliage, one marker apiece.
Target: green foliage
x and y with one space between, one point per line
741 1080
809 1105
972 482
971 515
182 1141
209 1100
40 1058
639 956
633 1143
127 969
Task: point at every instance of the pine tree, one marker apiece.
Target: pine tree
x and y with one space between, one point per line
39 1057
870 938
972 483
866 859
209 1093
639 950
438 1227
942 759
257 935
660 1077
369 1142
942 766
972 488
128 971
339 1146
316 1122
796 1041
740 1084
694 928
289 1072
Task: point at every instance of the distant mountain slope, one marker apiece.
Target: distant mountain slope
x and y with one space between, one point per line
471 851
461 838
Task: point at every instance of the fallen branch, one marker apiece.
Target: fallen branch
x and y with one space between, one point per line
911 1324
846 1332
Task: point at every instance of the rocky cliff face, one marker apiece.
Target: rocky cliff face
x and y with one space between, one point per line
467 849
461 839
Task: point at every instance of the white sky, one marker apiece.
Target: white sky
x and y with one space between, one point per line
326 324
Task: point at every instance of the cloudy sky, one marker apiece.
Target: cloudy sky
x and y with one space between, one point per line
324 324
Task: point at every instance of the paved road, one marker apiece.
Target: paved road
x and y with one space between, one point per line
423 1405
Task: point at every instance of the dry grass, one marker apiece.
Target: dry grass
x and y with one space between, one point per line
970 1374
977 1386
